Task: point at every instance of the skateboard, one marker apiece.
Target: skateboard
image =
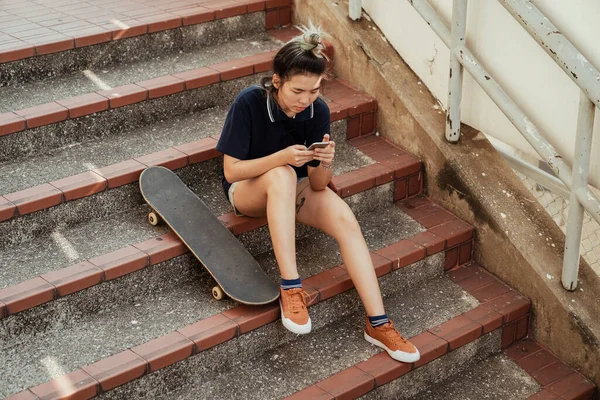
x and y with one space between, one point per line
236 272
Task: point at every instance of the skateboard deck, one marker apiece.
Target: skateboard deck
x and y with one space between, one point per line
233 268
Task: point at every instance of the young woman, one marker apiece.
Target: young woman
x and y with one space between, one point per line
269 170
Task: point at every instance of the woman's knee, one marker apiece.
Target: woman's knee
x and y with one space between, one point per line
345 221
281 174
281 179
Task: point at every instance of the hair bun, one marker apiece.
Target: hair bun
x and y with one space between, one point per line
311 40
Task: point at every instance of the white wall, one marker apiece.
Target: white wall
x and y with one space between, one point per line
525 72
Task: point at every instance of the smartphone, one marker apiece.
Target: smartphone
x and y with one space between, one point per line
318 145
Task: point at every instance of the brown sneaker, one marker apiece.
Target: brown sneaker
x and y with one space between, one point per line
389 339
294 314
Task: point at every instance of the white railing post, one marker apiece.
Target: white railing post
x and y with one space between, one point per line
433 19
581 167
459 23
557 46
355 9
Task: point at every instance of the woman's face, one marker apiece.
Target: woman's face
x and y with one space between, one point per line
297 93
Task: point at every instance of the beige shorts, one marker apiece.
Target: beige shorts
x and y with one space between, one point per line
301 184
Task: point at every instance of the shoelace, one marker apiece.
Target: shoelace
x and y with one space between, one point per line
392 334
296 301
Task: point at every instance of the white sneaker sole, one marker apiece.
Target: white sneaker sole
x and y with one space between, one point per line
396 355
294 327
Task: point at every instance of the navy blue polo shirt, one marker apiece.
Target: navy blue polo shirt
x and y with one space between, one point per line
255 128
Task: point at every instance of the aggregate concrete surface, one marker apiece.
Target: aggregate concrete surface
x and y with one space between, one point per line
101 205
414 384
74 84
70 245
496 378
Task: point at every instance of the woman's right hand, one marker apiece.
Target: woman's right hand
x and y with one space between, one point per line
297 155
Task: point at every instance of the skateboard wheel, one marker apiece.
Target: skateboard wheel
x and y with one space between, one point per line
153 218
217 293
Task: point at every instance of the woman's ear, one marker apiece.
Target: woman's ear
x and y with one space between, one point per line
276 81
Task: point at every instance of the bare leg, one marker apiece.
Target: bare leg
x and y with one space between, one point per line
273 194
326 211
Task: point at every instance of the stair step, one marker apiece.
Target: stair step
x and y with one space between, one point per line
496 377
53 131
209 46
71 40
522 371
72 245
359 380
556 379
146 304
134 144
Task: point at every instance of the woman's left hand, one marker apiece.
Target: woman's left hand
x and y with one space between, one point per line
326 154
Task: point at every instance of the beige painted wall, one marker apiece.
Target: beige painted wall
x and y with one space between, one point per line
546 94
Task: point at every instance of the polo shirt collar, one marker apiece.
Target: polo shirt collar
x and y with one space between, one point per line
277 114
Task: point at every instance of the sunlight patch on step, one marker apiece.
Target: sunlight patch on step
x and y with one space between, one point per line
94 78
90 166
64 387
65 246
121 25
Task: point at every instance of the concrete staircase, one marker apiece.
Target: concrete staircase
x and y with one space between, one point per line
96 302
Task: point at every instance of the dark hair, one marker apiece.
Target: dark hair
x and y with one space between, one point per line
302 55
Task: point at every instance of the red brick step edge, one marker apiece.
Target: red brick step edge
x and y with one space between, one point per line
558 380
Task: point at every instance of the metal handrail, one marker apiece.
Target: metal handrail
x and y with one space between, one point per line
558 47
581 71
573 63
